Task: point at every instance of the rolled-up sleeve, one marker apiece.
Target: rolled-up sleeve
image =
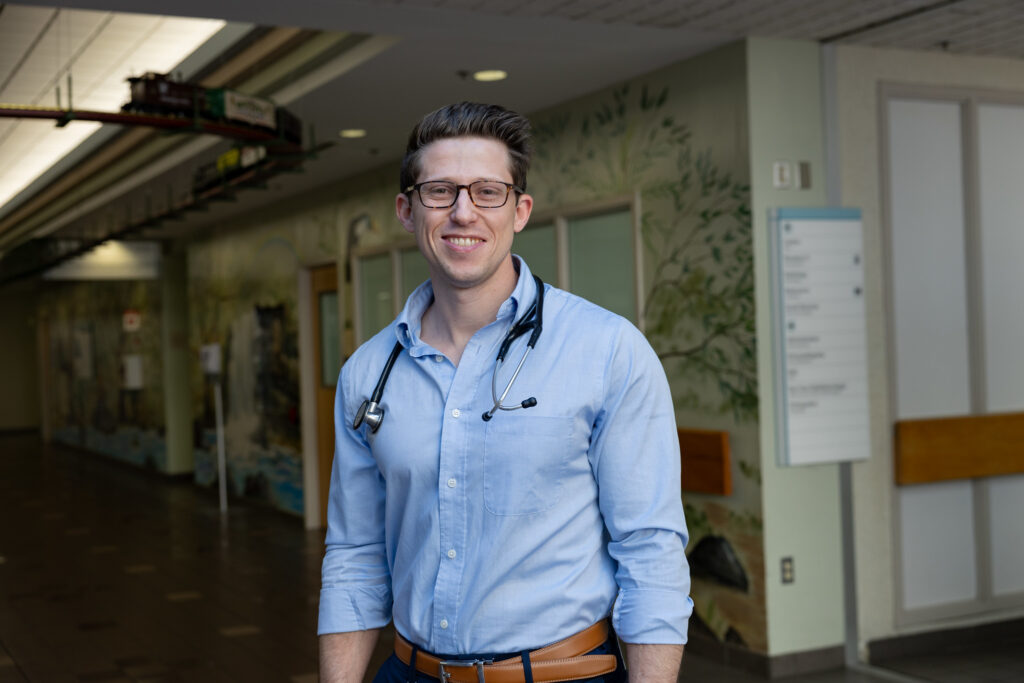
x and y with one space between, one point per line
635 456
355 592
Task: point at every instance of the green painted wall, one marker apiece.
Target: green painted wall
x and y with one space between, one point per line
19 401
176 363
677 138
801 504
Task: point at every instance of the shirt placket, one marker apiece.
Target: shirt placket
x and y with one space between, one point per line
453 500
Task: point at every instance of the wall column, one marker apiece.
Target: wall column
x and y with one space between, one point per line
176 362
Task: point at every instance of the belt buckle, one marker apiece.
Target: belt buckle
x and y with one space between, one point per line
446 676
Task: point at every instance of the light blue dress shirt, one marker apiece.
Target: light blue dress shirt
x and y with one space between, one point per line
499 536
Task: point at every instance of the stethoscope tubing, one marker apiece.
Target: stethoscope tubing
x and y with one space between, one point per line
371 412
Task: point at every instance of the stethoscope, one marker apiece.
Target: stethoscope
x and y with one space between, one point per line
371 412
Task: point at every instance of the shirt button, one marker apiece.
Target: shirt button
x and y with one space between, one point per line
456 412
451 554
438 358
451 483
444 623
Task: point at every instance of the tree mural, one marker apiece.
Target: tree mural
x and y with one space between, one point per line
699 310
700 307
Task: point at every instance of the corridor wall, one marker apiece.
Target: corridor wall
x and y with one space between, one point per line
91 404
673 144
19 401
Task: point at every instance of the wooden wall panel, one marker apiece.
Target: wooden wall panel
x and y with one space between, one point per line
705 461
941 449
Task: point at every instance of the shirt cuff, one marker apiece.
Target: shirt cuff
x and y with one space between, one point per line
354 608
652 617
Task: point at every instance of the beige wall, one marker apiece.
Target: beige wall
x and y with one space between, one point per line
19 400
858 73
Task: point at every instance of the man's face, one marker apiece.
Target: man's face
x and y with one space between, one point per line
465 246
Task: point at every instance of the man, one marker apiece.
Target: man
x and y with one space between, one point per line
486 532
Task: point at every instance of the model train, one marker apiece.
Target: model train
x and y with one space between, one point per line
154 93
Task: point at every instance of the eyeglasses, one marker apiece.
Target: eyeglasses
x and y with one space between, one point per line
441 194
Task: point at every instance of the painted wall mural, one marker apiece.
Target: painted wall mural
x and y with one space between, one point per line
243 297
106 368
678 136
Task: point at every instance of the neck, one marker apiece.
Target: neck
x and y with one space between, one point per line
456 314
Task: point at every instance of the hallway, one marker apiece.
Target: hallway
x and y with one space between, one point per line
111 574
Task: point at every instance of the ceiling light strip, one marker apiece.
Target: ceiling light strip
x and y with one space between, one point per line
338 66
31 48
23 219
66 67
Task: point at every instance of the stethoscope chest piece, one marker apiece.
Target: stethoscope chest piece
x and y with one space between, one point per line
371 413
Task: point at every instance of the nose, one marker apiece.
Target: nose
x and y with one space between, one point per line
463 209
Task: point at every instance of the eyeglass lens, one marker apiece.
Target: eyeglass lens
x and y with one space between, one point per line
486 194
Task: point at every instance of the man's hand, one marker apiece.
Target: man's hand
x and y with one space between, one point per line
653 663
345 656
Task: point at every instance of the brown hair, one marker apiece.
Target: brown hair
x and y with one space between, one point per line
470 119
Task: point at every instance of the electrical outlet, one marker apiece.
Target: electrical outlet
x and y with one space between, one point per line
787 570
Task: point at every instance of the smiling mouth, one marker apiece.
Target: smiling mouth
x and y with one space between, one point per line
463 241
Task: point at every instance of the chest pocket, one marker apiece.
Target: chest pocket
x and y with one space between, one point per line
525 459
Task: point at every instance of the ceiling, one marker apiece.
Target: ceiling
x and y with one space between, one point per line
410 53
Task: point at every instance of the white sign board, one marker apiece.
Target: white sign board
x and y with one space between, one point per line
819 327
254 110
131 371
131 320
209 359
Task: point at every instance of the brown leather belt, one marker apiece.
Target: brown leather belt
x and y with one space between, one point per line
566 660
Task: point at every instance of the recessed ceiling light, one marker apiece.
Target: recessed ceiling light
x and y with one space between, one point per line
353 133
489 75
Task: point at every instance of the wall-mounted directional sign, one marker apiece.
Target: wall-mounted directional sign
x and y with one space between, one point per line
819 329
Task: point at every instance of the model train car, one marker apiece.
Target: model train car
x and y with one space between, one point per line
227 166
154 93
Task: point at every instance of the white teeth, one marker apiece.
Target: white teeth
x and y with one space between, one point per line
463 241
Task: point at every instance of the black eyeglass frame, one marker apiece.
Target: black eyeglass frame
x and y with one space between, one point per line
509 187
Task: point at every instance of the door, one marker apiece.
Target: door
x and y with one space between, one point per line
957 329
327 347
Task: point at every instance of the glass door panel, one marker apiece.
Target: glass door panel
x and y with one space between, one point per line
376 302
601 261
537 246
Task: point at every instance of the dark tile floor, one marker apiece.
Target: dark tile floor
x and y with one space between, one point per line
999 663
110 574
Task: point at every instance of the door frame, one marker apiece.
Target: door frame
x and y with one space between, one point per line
309 381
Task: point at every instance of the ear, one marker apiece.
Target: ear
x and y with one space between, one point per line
524 206
403 209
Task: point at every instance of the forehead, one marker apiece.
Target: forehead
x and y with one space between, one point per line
464 158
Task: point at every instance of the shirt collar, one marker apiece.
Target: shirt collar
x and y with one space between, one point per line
407 324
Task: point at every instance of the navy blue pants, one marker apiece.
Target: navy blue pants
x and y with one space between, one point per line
394 671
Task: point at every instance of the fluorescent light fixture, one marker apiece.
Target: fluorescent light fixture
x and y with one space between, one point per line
489 75
353 133
111 260
100 50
